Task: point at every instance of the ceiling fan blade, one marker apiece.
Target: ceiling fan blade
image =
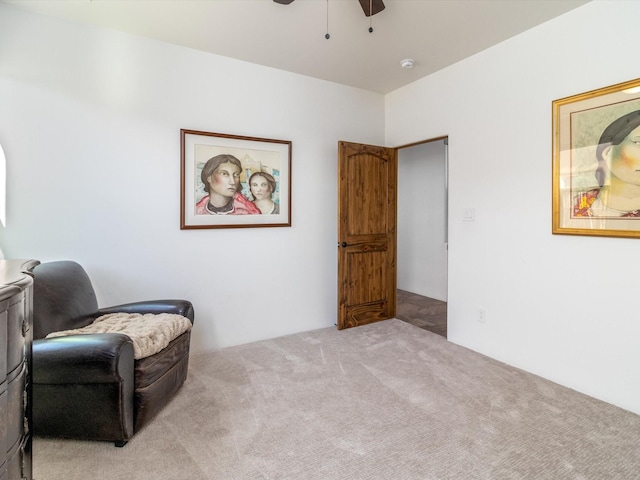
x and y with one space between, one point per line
376 6
283 2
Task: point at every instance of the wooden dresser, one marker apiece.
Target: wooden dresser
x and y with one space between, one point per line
16 312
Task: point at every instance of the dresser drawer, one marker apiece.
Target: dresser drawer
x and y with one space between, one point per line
15 332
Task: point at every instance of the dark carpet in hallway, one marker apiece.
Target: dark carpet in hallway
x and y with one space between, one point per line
424 312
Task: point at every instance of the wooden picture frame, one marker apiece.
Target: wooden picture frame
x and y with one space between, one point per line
214 181
596 162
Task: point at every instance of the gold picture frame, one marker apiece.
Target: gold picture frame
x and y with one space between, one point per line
596 162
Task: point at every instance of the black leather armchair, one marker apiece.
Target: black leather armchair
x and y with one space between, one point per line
90 386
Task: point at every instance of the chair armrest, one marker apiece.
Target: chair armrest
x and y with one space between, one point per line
178 307
75 359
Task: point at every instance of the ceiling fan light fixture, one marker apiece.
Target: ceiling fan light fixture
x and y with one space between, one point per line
407 63
371 7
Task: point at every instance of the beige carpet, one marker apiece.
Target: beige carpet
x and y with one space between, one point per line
383 401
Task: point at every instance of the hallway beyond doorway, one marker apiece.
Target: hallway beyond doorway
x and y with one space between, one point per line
427 313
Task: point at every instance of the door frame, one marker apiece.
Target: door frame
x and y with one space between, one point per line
445 140
395 150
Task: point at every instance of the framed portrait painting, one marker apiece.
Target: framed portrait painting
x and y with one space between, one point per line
231 181
596 162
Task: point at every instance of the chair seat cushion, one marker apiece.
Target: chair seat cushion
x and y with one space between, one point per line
150 333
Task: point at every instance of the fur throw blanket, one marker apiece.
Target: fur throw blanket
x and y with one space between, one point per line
150 332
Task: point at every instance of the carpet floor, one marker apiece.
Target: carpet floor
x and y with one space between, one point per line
382 401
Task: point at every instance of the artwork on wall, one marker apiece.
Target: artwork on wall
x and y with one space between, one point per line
596 162
229 181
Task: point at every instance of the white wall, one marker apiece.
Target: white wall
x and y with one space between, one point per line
564 307
422 220
90 122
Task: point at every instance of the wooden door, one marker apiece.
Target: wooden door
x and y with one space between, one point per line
367 179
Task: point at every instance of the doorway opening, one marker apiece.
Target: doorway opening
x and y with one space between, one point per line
422 229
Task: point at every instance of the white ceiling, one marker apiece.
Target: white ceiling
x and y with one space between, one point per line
434 33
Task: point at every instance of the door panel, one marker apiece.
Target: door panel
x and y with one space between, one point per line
366 234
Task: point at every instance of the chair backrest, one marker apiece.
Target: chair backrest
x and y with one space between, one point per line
63 298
